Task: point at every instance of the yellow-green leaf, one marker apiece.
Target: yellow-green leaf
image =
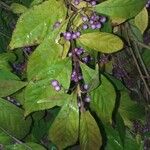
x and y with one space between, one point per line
90 136
141 20
102 42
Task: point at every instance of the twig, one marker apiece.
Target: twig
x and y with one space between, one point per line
4 35
136 62
142 44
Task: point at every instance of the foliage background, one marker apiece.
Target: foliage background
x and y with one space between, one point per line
42 120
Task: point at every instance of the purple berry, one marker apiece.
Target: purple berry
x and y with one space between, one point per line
86 86
54 83
85 26
57 88
78 34
74 36
85 18
98 25
93 26
87 99
57 24
93 3
103 19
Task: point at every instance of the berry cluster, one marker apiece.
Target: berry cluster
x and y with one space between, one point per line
79 52
19 68
71 35
75 76
94 21
56 85
148 4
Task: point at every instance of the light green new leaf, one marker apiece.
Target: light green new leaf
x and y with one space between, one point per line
41 95
101 41
141 20
18 8
121 9
25 146
37 22
130 110
12 120
9 83
103 100
64 130
90 136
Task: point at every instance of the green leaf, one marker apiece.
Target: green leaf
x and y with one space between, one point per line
47 59
5 59
130 110
41 95
121 128
90 136
36 2
18 8
12 120
101 41
4 138
64 130
25 146
33 26
141 20
103 100
121 9
114 141
9 83
131 143
146 57
91 76
7 75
